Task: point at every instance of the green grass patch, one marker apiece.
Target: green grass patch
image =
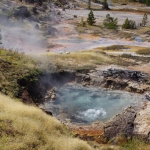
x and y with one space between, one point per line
15 66
136 58
145 51
115 47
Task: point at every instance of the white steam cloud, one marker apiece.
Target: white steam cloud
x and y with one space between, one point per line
21 37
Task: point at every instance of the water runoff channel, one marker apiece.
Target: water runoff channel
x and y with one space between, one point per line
86 105
75 43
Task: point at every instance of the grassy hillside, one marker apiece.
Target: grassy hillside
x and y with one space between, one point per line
25 127
15 66
19 70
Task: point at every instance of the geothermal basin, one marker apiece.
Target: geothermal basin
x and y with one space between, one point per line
85 105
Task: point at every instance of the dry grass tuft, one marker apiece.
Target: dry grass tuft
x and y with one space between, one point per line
136 144
145 51
115 47
25 127
96 30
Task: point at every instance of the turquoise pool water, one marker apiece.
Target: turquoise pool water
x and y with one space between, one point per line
86 105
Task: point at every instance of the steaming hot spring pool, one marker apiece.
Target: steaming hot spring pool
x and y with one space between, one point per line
80 104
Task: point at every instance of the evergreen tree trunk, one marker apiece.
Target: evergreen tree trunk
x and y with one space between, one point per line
105 5
89 4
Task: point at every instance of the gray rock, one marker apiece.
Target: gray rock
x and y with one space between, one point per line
48 112
22 12
124 74
142 123
86 78
34 10
37 27
121 124
53 96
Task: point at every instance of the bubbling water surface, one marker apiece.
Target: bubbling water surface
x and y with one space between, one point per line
86 105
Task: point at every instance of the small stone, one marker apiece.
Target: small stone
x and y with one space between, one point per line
53 97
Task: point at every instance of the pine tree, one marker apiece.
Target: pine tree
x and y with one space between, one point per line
126 24
144 20
91 18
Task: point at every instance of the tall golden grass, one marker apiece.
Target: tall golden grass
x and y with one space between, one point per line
25 127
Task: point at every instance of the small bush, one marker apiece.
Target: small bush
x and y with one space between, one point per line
82 23
129 24
144 20
110 22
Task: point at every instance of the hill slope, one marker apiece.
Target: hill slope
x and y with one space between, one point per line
25 127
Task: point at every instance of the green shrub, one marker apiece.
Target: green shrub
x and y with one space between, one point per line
147 2
82 23
129 24
110 22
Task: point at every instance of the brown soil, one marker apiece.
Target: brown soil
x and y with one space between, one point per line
143 68
92 132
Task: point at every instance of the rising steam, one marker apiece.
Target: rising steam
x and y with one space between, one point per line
23 34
